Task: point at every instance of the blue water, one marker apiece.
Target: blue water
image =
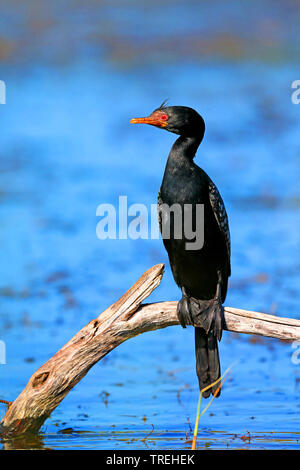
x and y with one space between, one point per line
75 77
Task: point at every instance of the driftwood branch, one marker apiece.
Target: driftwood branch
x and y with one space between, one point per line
124 319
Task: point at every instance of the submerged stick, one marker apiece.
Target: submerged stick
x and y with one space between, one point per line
124 319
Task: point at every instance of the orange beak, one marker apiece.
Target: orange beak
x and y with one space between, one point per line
152 120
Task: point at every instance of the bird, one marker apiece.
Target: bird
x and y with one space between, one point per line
202 272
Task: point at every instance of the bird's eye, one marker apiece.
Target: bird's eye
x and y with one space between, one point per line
164 117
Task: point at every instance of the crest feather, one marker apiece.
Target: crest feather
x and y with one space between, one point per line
163 105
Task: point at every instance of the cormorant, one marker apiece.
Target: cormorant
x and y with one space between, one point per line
202 273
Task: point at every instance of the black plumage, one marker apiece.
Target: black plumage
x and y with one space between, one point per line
202 274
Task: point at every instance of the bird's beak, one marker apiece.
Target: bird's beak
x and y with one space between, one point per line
152 120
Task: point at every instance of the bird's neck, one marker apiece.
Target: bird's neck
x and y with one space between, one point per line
180 165
184 149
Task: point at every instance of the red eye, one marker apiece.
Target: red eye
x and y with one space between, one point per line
164 117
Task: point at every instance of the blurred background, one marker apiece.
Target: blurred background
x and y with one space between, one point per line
76 72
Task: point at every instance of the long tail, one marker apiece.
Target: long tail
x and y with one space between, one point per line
206 316
207 361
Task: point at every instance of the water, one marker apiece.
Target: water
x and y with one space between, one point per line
75 76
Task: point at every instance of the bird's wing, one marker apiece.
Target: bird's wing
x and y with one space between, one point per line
220 213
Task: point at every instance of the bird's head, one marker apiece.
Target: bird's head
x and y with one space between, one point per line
177 119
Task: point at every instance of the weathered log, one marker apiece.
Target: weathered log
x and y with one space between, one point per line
124 319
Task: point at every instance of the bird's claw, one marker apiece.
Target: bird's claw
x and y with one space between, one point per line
183 311
216 314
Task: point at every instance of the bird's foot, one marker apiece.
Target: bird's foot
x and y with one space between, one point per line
207 314
183 311
215 317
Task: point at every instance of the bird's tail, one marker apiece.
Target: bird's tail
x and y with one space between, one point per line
206 316
207 361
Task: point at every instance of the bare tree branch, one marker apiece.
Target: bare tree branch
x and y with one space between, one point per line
124 319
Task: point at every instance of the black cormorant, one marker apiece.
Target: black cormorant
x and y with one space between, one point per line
202 273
